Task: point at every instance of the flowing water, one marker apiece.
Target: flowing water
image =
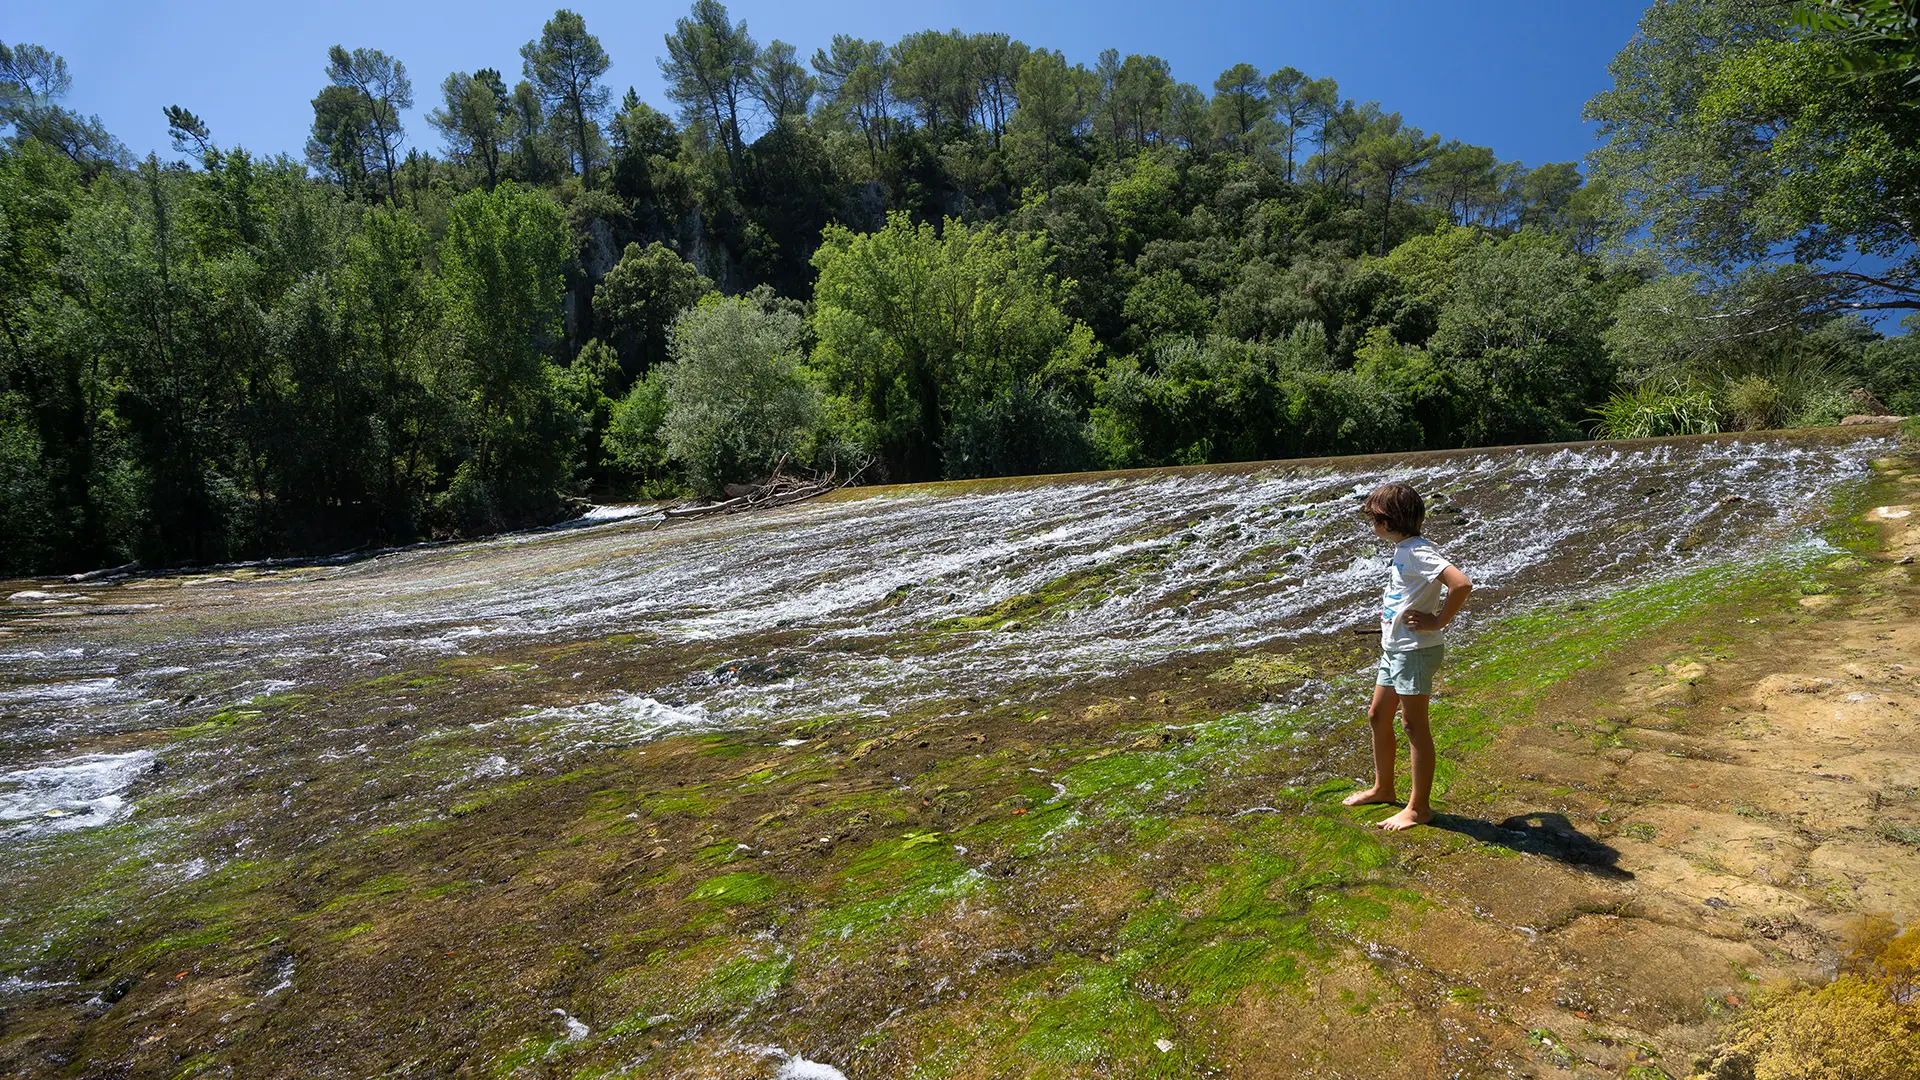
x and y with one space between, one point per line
134 702
830 607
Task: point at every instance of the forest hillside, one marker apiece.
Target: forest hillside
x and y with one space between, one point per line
953 255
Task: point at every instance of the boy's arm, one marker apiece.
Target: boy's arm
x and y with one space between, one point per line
1458 588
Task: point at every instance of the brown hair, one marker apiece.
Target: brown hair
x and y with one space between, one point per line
1398 506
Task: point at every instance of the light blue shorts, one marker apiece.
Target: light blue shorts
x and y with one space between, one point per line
1410 673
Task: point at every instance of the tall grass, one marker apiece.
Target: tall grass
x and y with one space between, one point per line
1656 407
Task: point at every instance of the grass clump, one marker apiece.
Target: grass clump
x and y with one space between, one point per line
1899 834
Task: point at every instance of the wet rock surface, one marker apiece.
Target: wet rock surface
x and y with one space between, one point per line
1013 778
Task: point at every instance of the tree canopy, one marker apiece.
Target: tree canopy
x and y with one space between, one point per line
951 254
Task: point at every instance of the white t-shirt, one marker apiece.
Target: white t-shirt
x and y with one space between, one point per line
1412 585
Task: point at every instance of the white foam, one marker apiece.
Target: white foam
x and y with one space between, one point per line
575 1029
619 512
58 692
633 718
14 984
72 794
799 1068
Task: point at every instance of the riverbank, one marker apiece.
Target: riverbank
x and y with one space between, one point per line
1652 805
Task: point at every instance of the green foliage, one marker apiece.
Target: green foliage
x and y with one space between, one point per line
1013 264
1892 373
914 321
1656 408
1875 35
633 441
1734 155
641 297
737 399
500 297
1020 431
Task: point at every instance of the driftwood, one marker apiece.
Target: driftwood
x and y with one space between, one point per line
776 490
112 571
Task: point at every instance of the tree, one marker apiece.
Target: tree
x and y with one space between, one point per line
709 72
1521 326
640 298
187 131
500 286
1054 103
1467 180
784 87
997 61
856 81
1138 98
1731 146
1302 104
1189 122
374 90
737 398
1548 191
1240 106
641 133
475 117
1390 153
915 320
1337 160
564 64
32 82
934 73
535 157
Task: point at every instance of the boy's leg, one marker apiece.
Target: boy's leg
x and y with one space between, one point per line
1380 725
1413 713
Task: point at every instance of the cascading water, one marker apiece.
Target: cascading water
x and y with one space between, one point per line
866 605
613 793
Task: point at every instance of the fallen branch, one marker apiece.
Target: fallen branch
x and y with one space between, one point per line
776 490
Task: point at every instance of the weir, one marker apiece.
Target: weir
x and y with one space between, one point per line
165 728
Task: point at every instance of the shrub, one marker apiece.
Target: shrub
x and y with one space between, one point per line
1755 403
1022 431
1656 407
737 399
1864 1025
633 442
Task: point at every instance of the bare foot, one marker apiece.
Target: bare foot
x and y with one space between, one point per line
1374 794
1406 819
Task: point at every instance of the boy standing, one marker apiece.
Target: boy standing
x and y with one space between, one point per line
1412 615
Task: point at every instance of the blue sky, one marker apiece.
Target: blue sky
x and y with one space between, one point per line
1508 75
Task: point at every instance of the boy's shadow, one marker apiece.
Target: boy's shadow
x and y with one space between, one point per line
1540 833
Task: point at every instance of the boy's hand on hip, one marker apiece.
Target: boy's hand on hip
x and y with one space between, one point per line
1424 620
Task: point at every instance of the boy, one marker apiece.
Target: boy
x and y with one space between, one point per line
1411 617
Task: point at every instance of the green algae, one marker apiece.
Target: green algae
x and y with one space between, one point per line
889 880
378 888
1091 1013
1077 589
741 888
485 800
1264 672
260 707
689 803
